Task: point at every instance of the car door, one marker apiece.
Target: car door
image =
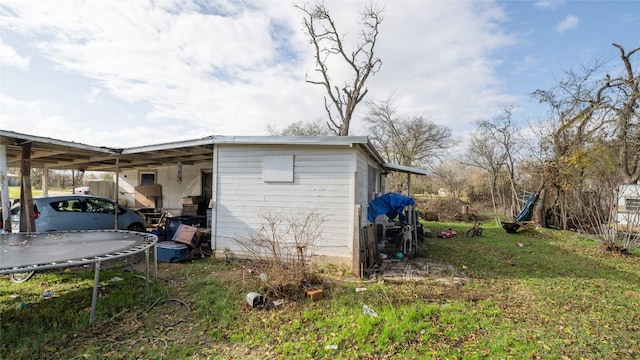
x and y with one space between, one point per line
102 213
64 214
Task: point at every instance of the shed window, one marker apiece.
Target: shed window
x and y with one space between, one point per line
277 168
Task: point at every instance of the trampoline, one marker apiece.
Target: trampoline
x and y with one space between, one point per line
26 252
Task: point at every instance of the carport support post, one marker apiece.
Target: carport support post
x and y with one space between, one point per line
94 296
4 182
117 191
27 221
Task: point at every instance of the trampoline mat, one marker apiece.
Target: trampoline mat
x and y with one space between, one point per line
38 249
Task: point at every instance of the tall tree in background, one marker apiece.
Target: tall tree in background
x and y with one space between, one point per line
408 141
302 128
341 99
502 131
591 113
627 86
485 152
402 140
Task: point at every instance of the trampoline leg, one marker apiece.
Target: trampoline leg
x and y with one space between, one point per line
94 297
155 260
146 281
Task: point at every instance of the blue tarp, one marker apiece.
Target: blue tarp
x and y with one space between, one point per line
390 204
526 212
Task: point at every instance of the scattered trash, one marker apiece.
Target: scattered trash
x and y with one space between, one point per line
14 296
520 245
49 294
361 289
398 255
116 279
331 347
277 303
21 305
370 312
383 256
313 293
263 277
257 301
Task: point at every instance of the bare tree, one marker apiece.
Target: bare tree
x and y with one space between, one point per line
341 100
591 114
302 128
407 141
453 177
627 86
504 133
485 153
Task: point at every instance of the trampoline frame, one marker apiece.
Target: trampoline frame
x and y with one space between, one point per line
148 241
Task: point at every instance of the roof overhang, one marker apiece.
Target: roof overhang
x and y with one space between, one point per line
405 169
66 155
58 154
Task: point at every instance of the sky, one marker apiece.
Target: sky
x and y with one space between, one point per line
125 73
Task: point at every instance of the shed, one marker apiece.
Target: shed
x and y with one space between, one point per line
240 178
628 210
333 177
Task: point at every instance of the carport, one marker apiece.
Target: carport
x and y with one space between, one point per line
27 151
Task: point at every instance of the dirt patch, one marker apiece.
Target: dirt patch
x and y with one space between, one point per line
419 269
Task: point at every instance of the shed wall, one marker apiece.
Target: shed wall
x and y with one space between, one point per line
323 181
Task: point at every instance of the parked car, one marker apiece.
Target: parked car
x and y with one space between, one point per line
82 190
80 212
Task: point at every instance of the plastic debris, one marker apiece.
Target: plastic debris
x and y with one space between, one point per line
116 279
21 305
257 301
331 347
361 289
370 312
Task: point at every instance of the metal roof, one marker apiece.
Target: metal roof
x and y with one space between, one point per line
68 155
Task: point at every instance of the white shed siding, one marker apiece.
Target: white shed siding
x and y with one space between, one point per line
628 210
322 182
362 184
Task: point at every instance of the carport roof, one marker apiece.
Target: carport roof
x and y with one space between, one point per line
59 154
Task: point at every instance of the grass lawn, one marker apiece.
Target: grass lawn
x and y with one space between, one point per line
538 294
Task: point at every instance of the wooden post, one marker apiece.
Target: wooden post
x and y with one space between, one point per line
27 220
355 253
4 189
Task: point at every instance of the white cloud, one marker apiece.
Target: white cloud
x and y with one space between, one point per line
232 70
548 4
569 22
10 57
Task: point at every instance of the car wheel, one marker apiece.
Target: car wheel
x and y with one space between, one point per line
136 227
